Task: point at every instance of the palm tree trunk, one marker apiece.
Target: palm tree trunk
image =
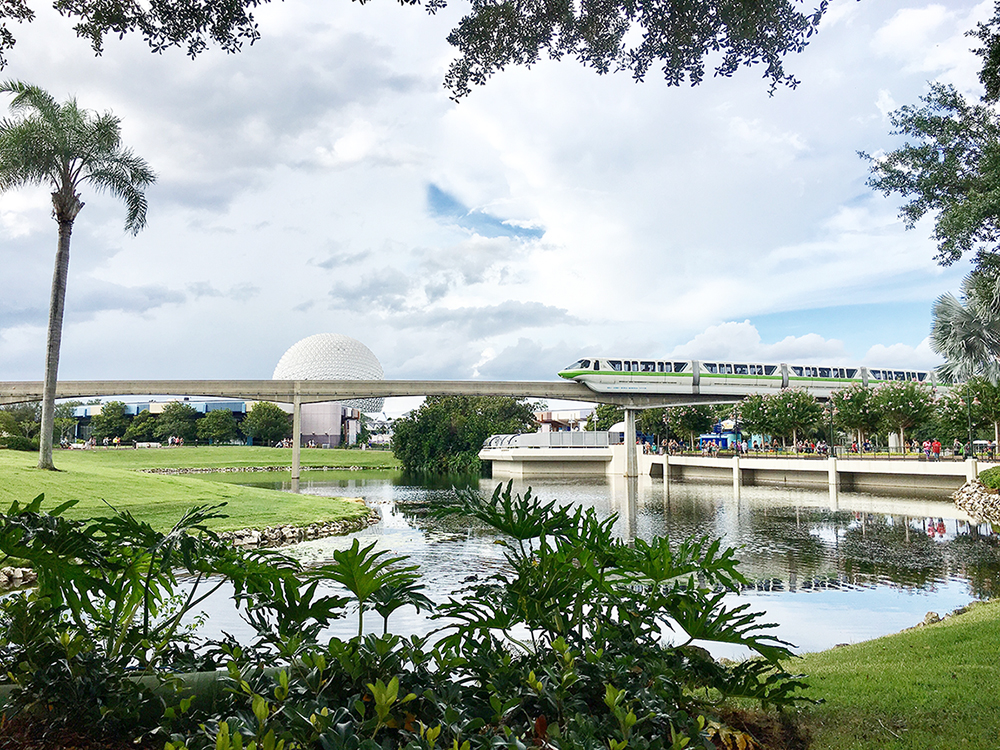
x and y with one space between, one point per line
57 302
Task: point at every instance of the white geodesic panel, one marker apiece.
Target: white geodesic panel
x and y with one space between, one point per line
332 356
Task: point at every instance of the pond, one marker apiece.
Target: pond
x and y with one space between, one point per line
826 571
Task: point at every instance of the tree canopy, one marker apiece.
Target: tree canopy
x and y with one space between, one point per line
617 35
950 165
447 432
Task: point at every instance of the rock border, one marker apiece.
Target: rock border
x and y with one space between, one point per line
979 501
253 469
283 536
270 537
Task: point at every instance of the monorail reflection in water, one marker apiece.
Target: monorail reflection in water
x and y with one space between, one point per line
827 571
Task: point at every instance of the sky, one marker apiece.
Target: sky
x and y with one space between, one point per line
322 181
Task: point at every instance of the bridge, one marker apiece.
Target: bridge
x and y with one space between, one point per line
298 392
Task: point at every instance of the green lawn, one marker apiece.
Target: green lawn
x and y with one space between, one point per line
935 687
92 477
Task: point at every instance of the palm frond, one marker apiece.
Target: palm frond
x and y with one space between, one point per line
66 146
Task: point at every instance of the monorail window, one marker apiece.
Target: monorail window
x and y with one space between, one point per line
900 375
647 367
797 371
740 370
710 367
616 364
824 372
659 367
851 373
921 376
727 369
770 369
680 366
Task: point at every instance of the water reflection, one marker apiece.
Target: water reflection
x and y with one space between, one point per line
828 570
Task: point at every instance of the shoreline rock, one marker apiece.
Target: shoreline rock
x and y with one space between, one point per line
254 469
282 536
270 537
979 501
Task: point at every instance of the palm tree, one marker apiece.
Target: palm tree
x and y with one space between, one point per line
967 333
64 146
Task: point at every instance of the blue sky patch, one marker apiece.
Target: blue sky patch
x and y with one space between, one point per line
445 207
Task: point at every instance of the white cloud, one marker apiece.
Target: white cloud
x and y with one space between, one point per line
293 199
903 355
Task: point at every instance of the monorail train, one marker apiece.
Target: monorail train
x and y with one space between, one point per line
725 378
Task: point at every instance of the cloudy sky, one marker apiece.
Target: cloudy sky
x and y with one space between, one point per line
323 181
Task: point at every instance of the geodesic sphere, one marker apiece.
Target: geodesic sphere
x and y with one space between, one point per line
332 356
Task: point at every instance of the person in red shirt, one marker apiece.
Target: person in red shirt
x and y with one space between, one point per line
936 449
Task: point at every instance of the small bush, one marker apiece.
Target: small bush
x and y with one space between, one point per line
19 443
991 477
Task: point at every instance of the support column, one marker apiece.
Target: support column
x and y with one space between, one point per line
834 482
971 469
296 434
834 473
737 476
631 460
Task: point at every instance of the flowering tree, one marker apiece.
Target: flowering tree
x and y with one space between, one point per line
903 404
754 417
689 421
953 413
989 404
855 409
793 411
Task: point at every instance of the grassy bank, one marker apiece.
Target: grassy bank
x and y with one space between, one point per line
92 477
930 688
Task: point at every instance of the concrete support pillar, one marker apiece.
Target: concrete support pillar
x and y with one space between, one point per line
834 474
296 434
971 469
737 476
666 467
631 459
834 481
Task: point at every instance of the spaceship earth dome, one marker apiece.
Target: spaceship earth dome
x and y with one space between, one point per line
332 356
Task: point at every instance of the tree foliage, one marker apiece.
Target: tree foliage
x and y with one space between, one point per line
686 422
622 35
177 420
218 427
112 422
142 429
967 332
446 433
605 417
792 412
267 422
902 404
950 165
855 409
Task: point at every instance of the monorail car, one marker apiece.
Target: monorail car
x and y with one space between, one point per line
725 378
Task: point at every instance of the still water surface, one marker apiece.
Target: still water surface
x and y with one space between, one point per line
826 571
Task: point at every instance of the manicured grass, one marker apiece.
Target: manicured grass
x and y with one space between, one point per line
935 687
92 477
212 457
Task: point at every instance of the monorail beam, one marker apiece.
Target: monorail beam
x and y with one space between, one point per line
313 391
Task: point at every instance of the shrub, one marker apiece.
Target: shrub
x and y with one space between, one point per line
565 649
991 477
19 443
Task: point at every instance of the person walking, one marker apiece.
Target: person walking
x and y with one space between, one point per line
936 449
